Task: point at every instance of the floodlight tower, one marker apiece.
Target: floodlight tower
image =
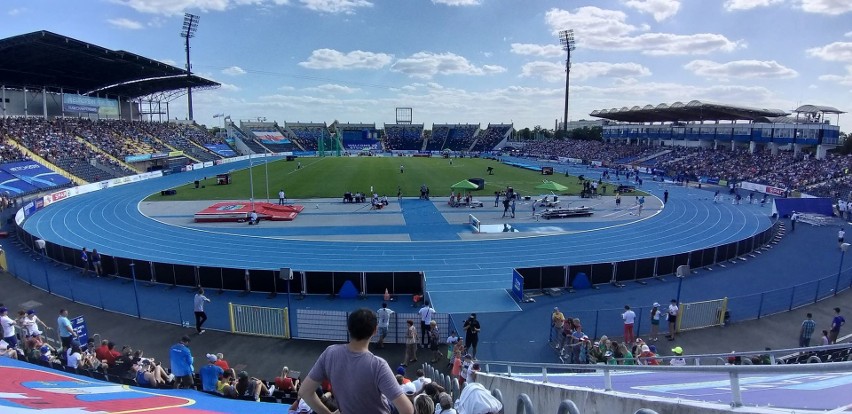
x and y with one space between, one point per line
190 26
566 39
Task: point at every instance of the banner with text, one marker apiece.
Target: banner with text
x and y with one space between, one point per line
90 105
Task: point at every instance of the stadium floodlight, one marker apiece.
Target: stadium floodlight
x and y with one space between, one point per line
566 39
190 26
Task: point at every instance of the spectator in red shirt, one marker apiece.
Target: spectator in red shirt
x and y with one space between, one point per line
107 353
285 382
221 363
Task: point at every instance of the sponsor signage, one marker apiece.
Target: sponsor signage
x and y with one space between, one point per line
137 158
762 188
89 105
517 285
79 326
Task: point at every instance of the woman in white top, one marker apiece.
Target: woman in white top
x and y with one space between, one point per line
74 356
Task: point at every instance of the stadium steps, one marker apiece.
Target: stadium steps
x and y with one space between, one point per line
95 148
171 148
650 157
39 159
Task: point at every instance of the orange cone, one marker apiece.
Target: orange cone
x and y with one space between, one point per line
387 295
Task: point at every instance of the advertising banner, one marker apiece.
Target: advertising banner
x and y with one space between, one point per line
763 188
517 285
90 105
137 158
271 137
221 149
82 331
27 176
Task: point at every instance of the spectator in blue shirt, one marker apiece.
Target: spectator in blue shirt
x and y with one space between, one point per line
210 374
181 362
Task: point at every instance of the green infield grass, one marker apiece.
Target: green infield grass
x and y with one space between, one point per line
330 177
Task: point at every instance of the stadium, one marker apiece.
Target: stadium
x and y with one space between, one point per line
89 162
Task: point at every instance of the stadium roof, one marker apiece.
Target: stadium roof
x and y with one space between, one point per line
45 59
812 109
692 111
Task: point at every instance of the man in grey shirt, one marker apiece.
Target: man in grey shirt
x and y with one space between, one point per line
347 366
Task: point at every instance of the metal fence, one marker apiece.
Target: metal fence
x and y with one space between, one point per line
704 314
259 320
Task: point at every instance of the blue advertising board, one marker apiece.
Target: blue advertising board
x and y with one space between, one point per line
517 285
27 176
221 149
79 325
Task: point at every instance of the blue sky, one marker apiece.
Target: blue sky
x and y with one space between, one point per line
475 61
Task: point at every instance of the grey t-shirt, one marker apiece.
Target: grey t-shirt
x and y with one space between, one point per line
360 381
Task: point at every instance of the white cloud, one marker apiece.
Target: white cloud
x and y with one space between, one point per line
597 28
427 64
123 23
176 7
660 9
336 6
833 52
736 5
840 79
530 49
830 7
333 88
16 11
848 34
739 69
357 59
229 87
170 62
547 71
234 71
555 72
458 2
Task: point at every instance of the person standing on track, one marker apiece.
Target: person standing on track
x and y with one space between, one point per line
198 308
672 318
629 317
426 314
84 257
384 315
96 263
666 197
282 197
471 337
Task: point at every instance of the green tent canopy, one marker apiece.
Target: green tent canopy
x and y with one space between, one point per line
464 185
551 186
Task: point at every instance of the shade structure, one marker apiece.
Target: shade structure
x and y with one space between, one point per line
551 186
464 185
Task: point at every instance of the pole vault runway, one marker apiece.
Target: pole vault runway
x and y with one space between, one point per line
464 272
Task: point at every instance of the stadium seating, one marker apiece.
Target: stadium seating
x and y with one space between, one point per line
404 137
308 135
491 136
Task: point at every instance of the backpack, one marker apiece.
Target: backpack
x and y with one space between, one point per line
475 399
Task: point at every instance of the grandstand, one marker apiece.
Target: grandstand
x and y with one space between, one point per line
492 136
91 135
359 136
404 137
269 136
452 137
701 124
308 134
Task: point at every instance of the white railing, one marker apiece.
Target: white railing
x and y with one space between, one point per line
734 371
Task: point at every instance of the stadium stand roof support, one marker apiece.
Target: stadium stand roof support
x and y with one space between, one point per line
47 59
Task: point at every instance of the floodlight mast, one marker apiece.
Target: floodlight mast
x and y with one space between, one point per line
566 39
190 26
